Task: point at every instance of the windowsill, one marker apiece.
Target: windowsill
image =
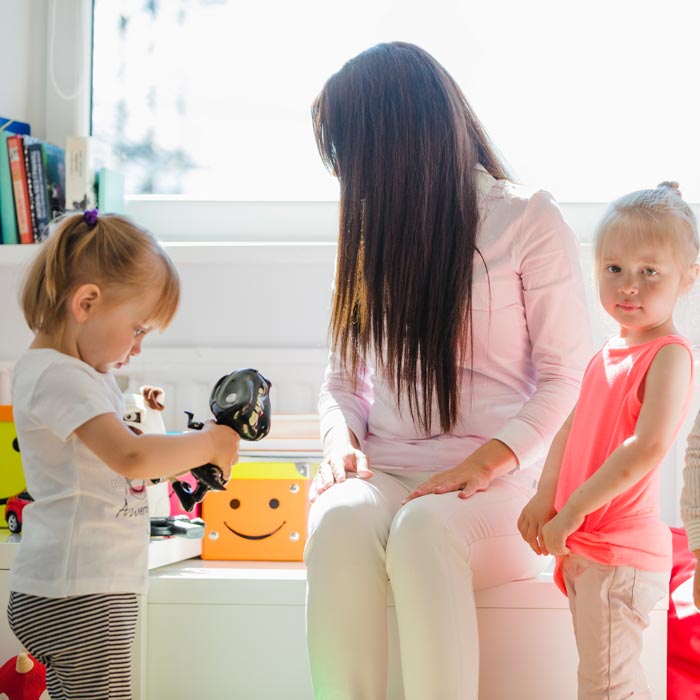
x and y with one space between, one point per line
213 252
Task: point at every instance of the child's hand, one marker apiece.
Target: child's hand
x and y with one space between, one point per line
226 442
557 530
534 516
696 586
153 395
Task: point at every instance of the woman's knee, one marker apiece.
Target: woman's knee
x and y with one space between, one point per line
345 526
418 528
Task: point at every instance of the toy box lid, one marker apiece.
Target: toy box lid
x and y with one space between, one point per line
271 470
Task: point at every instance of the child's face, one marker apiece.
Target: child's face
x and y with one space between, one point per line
113 333
639 286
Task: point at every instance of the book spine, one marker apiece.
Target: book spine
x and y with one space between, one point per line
15 152
7 198
30 188
39 192
80 174
54 172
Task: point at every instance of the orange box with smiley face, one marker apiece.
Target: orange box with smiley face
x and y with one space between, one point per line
261 516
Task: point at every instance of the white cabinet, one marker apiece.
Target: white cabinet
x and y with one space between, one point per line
222 630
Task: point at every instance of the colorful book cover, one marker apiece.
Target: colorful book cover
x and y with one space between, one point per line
42 212
15 151
14 126
32 190
55 172
8 219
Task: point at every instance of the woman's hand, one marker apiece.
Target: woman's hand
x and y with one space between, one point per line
473 474
466 477
557 530
537 513
336 465
153 396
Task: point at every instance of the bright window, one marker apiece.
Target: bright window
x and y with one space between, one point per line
210 98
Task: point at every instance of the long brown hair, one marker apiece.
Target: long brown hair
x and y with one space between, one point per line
397 131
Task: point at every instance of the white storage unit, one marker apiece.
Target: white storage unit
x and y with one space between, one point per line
236 630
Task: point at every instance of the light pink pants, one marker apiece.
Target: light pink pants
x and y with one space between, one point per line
610 606
436 550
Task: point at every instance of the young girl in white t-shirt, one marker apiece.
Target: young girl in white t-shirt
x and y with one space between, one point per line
96 287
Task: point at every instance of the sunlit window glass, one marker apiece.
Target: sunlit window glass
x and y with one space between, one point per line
210 98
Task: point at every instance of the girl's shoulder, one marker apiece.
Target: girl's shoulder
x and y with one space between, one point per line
41 369
616 345
663 353
37 361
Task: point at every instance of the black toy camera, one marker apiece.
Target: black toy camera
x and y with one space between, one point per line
240 400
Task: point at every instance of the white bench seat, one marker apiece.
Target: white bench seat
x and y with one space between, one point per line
236 630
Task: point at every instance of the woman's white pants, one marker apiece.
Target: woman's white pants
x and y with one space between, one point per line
436 550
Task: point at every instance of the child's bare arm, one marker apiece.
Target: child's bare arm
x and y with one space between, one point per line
540 508
666 386
148 456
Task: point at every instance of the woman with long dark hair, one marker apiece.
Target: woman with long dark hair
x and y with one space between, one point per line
459 337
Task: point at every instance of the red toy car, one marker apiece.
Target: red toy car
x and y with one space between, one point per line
13 510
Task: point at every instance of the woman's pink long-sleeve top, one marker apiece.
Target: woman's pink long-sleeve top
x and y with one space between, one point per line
531 343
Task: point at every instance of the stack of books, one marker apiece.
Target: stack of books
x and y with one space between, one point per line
39 181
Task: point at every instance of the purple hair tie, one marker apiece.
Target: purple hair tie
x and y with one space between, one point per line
90 216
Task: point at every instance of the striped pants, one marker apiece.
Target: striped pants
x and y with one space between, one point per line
84 641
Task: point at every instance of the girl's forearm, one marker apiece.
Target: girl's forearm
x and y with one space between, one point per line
629 463
547 485
152 456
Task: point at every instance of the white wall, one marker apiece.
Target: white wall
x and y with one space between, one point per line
233 295
23 61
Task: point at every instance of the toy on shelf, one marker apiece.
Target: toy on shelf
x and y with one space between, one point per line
13 510
23 678
262 514
240 400
11 474
175 507
179 525
144 420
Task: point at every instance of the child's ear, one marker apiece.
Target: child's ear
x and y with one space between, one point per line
84 301
694 274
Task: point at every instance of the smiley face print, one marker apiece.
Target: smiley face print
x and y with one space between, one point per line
259 519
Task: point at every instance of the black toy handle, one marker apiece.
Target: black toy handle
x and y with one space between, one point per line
208 473
241 401
209 477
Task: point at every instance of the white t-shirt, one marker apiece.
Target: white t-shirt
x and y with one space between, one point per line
87 530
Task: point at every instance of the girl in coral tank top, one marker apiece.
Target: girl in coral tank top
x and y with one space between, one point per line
597 503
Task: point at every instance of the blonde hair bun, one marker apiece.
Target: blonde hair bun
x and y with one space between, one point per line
670 185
